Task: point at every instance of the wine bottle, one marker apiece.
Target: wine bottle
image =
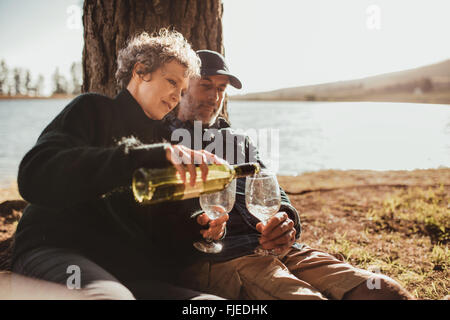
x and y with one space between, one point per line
157 185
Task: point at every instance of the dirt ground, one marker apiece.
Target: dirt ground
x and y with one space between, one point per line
393 222
349 213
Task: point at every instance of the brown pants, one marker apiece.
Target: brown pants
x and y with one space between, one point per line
301 274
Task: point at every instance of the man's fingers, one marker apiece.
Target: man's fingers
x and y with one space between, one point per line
213 233
285 240
219 221
259 227
203 219
279 230
216 226
273 222
282 239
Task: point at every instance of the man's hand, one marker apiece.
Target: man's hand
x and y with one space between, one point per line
278 233
216 226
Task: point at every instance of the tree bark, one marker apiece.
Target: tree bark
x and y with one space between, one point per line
109 24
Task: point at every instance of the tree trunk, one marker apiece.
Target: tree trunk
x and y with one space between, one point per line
109 24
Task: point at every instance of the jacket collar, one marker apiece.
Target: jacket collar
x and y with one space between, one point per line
146 129
134 109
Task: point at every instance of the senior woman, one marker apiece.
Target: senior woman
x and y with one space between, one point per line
82 228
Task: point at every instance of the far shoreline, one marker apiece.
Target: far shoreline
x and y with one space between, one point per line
442 98
52 97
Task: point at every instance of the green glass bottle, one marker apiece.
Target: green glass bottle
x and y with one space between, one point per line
157 185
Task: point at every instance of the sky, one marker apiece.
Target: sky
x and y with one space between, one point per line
268 44
41 35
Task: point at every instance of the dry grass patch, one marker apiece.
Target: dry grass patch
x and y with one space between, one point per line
374 224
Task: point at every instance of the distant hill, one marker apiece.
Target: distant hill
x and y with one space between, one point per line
428 84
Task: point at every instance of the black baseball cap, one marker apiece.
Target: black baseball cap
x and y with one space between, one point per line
213 63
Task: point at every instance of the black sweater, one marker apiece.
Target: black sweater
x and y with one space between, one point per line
77 180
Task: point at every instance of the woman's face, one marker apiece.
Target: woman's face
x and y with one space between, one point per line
159 92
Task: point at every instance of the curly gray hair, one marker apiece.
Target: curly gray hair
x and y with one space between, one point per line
153 52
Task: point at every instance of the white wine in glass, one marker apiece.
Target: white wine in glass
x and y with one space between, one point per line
263 199
264 213
216 205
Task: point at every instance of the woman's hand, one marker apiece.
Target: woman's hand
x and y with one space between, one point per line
185 159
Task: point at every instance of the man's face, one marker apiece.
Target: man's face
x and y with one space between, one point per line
159 92
204 99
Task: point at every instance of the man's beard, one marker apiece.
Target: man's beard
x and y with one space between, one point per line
212 113
194 114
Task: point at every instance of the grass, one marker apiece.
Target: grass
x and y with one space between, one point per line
440 257
429 282
416 210
402 232
403 213
425 212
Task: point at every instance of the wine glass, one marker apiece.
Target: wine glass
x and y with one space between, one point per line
216 205
263 199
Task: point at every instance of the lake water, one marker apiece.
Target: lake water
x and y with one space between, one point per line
306 136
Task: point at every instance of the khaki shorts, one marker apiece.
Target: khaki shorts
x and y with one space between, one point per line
301 274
